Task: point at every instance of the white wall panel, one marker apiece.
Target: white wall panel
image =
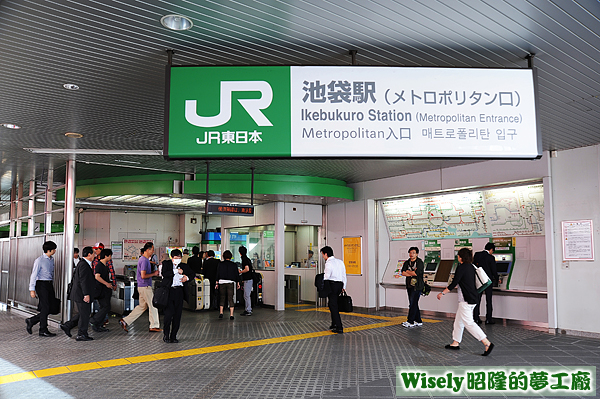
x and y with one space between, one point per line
576 195
264 214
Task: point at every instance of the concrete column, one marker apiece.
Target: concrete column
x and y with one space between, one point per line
69 235
280 255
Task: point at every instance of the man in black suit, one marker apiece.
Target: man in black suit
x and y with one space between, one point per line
176 276
82 293
209 270
486 260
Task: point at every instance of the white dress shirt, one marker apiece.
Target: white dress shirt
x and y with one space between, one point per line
335 270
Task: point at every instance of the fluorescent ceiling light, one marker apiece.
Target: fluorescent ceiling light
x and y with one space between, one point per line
71 86
88 151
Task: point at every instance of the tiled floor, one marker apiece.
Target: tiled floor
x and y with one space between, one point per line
237 362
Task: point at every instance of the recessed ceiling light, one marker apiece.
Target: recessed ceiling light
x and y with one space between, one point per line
176 22
10 125
71 86
74 135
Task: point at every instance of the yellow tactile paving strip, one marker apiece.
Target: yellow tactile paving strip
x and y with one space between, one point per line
390 321
368 316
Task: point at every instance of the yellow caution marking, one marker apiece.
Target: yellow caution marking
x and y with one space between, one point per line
84 367
141 359
297 306
368 316
390 321
113 363
52 371
17 377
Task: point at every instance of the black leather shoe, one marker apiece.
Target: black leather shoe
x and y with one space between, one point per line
454 348
29 326
66 329
478 321
84 338
174 341
231 317
220 315
244 313
490 321
337 331
332 327
167 340
47 334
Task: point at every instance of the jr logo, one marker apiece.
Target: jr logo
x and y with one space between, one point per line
252 106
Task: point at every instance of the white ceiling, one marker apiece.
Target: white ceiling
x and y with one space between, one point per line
115 51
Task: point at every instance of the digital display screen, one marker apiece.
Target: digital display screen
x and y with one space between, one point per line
503 257
431 267
502 267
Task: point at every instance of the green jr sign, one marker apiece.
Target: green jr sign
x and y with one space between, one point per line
224 112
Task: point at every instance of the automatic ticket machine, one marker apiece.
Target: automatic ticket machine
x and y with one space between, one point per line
504 264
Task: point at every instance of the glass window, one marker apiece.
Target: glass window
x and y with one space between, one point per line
301 246
260 242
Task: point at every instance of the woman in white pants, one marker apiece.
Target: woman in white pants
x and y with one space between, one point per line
464 277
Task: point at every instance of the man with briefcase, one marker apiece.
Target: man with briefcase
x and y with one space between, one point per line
335 275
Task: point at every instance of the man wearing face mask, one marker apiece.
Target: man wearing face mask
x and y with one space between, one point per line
175 275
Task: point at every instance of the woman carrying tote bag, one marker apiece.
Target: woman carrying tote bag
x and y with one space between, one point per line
464 277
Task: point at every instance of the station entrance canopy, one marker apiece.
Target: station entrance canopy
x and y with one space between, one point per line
324 112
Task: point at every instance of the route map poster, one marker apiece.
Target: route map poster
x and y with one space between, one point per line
514 211
131 248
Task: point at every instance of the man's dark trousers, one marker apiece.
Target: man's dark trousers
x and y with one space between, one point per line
173 312
336 290
45 292
104 302
488 304
414 314
81 319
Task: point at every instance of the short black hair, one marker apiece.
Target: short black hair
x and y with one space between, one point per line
195 250
490 245
186 251
466 255
175 252
310 252
227 255
327 251
210 252
243 250
87 251
147 246
105 253
75 250
48 246
413 249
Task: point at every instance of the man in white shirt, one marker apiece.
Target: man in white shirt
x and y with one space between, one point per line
335 272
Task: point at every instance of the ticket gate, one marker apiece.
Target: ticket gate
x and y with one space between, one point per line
198 293
121 301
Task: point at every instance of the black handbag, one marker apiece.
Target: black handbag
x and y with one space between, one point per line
426 290
345 303
69 289
161 297
55 306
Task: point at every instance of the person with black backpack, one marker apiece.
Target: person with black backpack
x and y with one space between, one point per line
247 275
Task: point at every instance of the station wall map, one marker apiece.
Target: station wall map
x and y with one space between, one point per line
515 211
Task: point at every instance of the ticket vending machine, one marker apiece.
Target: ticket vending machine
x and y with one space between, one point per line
430 271
504 265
